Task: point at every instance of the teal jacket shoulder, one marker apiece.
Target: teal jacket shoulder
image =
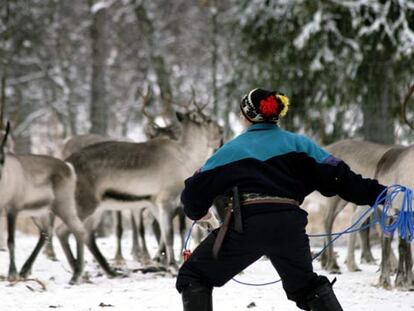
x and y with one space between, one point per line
262 142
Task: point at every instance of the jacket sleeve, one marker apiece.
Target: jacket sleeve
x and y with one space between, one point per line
332 176
200 191
340 180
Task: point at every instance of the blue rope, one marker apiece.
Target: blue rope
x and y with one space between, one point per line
188 236
404 221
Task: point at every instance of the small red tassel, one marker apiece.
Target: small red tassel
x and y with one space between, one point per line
186 254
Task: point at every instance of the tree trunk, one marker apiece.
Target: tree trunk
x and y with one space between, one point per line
157 60
214 57
376 106
22 141
99 106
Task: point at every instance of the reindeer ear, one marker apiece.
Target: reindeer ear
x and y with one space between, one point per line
180 116
3 143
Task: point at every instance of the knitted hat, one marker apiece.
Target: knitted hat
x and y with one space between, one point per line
264 106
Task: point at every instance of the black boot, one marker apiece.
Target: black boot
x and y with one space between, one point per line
197 297
323 298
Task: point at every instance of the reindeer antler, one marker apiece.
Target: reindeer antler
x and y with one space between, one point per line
195 103
145 102
3 143
2 100
404 107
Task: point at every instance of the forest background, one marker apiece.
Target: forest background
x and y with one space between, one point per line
73 67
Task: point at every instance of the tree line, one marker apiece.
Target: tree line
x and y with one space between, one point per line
71 67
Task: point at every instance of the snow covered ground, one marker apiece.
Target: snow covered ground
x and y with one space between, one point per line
138 291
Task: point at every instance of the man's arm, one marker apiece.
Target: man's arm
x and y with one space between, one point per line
332 176
200 191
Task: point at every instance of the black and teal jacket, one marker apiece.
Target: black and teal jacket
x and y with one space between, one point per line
268 160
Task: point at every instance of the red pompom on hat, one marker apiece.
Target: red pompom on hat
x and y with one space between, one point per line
269 106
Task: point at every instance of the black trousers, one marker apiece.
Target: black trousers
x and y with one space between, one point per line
277 231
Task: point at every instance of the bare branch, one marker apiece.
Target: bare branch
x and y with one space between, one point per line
43 287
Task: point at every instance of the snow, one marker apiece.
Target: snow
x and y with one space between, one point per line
96 7
308 30
156 292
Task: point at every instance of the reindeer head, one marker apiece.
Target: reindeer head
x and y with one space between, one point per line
197 125
152 129
188 127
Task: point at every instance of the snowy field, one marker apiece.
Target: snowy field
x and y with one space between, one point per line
138 291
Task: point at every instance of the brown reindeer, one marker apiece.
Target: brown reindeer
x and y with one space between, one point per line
38 185
122 175
152 130
363 158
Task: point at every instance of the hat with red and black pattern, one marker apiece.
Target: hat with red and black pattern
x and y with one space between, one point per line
261 106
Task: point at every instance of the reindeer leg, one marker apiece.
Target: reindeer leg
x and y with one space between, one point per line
44 230
119 259
3 233
67 213
77 265
49 250
324 256
62 232
393 262
145 254
401 277
93 247
409 268
366 254
385 280
404 278
80 262
135 251
75 226
91 224
167 235
160 255
182 226
11 229
140 250
331 263
350 258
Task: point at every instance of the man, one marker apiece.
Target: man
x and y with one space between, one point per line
273 170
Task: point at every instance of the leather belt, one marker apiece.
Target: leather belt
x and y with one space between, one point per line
270 200
235 210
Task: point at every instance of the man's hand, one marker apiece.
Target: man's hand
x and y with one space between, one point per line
209 221
206 217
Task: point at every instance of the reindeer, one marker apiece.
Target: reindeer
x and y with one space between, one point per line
152 130
393 165
37 185
9 147
125 175
139 247
396 167
362 157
